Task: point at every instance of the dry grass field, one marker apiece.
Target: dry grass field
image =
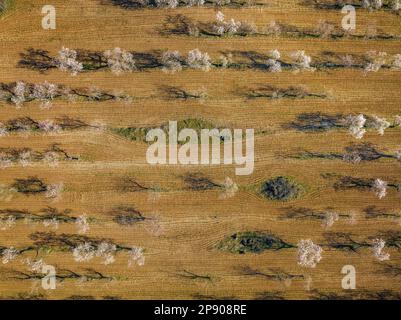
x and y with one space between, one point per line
179 218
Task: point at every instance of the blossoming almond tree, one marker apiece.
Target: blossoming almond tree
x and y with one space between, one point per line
83 252
117 60
309 254
67 61
120 61
7 223
358 124
273 62
371 5
198 60
376 61
21 92
230 189
378 247
26 156
34 265
329 219
83 248
232 27
380 188
9 254
397 121
380 124
302 61
171 61
136 257
396 63
82 224
172 4
107 252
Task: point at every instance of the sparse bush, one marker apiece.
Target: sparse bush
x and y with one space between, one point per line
62 274
317 122
272 274
292 92
391 270
198 182
126 216
372 212
362 152
357 295
30 185
344 241
48 213
181 94
351 182
129 184
180 25
355 153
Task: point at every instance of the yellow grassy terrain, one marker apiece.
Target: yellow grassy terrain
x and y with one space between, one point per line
191 222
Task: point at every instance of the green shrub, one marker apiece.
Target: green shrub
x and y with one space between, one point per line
252 241
280 188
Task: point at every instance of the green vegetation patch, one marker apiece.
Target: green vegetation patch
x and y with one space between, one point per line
6 5
139 133
280 188
132 133
252 241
